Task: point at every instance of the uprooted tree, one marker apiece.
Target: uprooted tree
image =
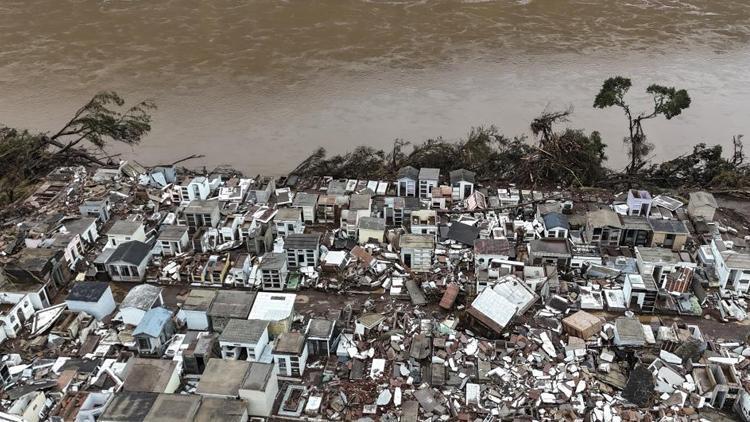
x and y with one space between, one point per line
570 157
668 102
484 151
704 167
25 155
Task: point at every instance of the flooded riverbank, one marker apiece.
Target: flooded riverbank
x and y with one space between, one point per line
235 81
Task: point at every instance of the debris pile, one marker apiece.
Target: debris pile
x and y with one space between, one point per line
431 297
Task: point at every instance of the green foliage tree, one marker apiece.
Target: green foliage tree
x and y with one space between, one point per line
484 151
570 157
25 155
100 121
668 102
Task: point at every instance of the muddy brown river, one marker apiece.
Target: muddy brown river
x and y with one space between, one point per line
258 84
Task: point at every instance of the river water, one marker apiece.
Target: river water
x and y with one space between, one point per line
258 84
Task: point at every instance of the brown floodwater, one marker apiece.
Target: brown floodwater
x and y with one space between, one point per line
258 84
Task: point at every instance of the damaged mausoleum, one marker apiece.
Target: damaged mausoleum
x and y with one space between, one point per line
163 294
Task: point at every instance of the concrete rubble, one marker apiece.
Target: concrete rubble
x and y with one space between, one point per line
196 294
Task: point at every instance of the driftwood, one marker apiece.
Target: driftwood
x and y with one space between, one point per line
191 157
